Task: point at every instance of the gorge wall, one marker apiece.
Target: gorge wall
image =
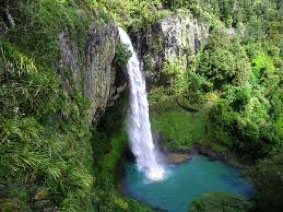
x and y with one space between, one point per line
95 73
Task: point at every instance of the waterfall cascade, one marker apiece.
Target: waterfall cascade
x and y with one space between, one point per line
139 129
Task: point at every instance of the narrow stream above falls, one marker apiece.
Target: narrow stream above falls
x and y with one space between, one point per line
184 182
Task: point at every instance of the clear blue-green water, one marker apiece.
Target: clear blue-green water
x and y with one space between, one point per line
184 182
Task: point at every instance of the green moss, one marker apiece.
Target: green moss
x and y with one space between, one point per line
14 199
182 129
116 144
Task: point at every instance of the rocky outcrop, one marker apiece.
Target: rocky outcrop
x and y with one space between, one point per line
96 76
172 38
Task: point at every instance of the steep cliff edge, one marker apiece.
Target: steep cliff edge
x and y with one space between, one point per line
97 76
94 72
171 38
68 38
57 74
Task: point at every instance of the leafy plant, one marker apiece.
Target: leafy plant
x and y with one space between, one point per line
122 55
173 76
267 175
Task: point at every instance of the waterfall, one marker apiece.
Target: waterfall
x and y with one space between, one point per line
139 129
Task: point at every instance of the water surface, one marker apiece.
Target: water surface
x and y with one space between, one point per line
184 182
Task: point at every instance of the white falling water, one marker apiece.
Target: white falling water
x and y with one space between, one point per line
139 129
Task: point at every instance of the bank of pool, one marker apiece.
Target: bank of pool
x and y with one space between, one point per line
185 182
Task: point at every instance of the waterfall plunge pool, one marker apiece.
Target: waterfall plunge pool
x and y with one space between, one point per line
184 182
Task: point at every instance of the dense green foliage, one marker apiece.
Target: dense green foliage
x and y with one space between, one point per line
130 13
236 83
241 80
222 202
224 60
268 178
44 134
45 146
38 24
50 156
245 117
172 76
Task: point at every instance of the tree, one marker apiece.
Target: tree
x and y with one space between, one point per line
224 60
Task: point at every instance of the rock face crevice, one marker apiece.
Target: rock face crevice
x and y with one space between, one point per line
96 75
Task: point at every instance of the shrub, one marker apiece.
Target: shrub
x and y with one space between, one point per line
122 55
268 179
223 60
173 76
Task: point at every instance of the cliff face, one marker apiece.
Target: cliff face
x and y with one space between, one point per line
97 76
172 38
183 36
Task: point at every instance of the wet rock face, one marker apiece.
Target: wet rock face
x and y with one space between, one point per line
172 38
93 70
